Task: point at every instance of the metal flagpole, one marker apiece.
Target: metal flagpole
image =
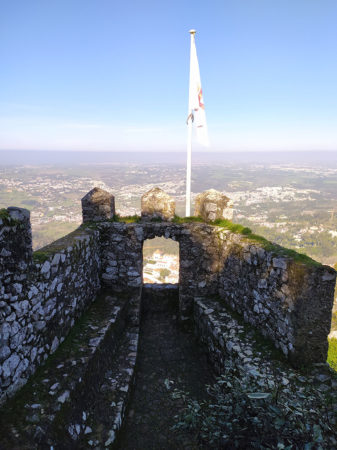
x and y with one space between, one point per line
189 141
188 167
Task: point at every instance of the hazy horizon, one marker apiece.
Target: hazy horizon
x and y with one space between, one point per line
62 157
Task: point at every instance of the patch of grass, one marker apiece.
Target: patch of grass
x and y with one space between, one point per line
247 232
332 354
228 225
282 251
267 245
40 257
191 219
234 227
126 219
115 218
7 219
4 213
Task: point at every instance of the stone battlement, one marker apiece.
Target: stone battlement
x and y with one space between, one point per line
287 299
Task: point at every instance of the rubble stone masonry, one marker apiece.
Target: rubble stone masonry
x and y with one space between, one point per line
41 298
42 295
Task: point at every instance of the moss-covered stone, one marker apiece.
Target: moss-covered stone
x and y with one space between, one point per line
7 219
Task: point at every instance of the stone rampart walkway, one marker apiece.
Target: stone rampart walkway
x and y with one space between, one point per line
168 357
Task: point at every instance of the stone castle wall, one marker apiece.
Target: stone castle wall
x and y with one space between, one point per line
122 257
289 301
40 301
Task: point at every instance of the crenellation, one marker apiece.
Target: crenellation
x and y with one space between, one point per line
42 297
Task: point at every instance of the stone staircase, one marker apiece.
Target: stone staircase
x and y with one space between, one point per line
78 398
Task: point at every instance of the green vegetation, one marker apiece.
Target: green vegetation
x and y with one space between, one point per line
126 219
332 353
163 274
245 231
298 257
277 409
285 220
267 245
16 198
241 414
7 219
115 218
64 228
149 261
190 219
4 215
233 227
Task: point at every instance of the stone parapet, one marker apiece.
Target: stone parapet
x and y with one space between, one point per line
288 298
248 363
63 404
289 301
38 310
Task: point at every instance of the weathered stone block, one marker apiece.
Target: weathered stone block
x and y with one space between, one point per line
15 239
98 205
156 204
212 205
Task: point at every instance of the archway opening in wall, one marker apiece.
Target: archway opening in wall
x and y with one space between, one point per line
160 261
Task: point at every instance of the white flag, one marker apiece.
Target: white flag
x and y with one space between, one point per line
196 105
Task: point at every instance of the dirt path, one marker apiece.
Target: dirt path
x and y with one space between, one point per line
166 355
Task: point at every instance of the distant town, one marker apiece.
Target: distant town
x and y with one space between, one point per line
161 268
292 205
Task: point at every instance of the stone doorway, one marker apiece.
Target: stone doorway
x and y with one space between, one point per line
160 261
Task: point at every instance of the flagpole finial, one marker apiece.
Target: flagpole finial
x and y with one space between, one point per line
193 31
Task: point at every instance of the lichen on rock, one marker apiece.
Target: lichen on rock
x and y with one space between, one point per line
213 205
157 204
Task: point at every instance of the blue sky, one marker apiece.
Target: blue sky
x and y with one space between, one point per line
112 75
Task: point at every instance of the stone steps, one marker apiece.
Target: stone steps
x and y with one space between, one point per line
101 422
42 413
97 423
